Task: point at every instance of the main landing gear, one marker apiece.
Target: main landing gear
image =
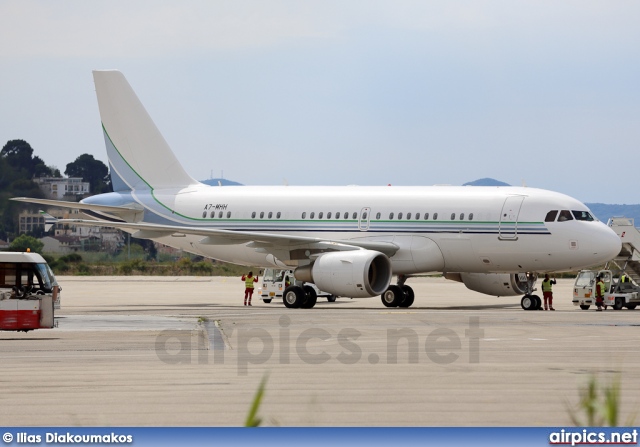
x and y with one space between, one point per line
304 297
398 295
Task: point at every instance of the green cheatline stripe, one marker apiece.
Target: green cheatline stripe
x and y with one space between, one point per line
141 178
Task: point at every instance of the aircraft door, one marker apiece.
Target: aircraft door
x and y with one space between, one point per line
508 227
363 220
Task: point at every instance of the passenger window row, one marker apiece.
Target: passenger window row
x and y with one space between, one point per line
312 215
354 215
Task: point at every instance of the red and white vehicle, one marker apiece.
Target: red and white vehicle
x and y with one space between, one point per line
29 292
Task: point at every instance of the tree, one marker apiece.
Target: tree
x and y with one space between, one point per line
24 242
18 154
91 170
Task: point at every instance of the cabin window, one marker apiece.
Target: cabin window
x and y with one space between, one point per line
426 216
399 216
228 214
253 215
204 214
312 215
338 215
329 215
390 216
320 215
551 216
261 214
564 216
278 215
461 216
304 215
470 216
355 216
583 215
270 215
435 216
417 216
408 216
378 216
364 216
453 216
220 214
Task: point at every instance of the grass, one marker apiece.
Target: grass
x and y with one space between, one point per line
599 404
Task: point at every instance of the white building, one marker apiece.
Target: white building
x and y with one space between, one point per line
63 188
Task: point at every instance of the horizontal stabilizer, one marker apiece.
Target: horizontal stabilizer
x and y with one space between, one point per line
126 212
49 221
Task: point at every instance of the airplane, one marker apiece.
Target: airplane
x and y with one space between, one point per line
349 241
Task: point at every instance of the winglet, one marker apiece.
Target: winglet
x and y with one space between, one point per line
49 221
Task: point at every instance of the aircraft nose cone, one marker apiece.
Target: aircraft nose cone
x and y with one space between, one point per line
608 245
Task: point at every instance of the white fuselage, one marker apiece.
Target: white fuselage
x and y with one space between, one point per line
440 228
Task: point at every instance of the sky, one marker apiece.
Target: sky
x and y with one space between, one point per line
538 93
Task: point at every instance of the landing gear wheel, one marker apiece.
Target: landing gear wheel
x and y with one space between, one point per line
266 300
293 297
409 296
331 298
310 298
619 303
584 306
528 302
538 302
393 296
631 306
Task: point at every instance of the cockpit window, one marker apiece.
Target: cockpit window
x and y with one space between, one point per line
564 216
583 215
551 216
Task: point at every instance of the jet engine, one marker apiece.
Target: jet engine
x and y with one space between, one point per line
496 284
355 274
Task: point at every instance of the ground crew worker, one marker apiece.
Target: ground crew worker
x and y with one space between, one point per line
248 287
624 278
600 293
547 292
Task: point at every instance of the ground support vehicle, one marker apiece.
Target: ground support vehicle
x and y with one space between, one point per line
617 294
29 292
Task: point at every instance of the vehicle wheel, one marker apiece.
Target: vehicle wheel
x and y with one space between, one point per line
409 296
619 303
538 302
528 302
293 297
266 300
310 297
584 306
331 298
392 297
631 306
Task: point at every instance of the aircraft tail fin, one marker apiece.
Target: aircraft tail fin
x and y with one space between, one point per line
139 156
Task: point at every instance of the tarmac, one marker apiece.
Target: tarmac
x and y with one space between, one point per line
184 351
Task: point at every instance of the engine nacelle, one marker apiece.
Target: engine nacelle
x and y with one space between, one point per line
355 274
496 284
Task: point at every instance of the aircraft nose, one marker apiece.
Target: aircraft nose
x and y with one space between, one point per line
607 245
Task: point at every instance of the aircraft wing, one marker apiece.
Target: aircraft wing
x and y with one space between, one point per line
230 237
